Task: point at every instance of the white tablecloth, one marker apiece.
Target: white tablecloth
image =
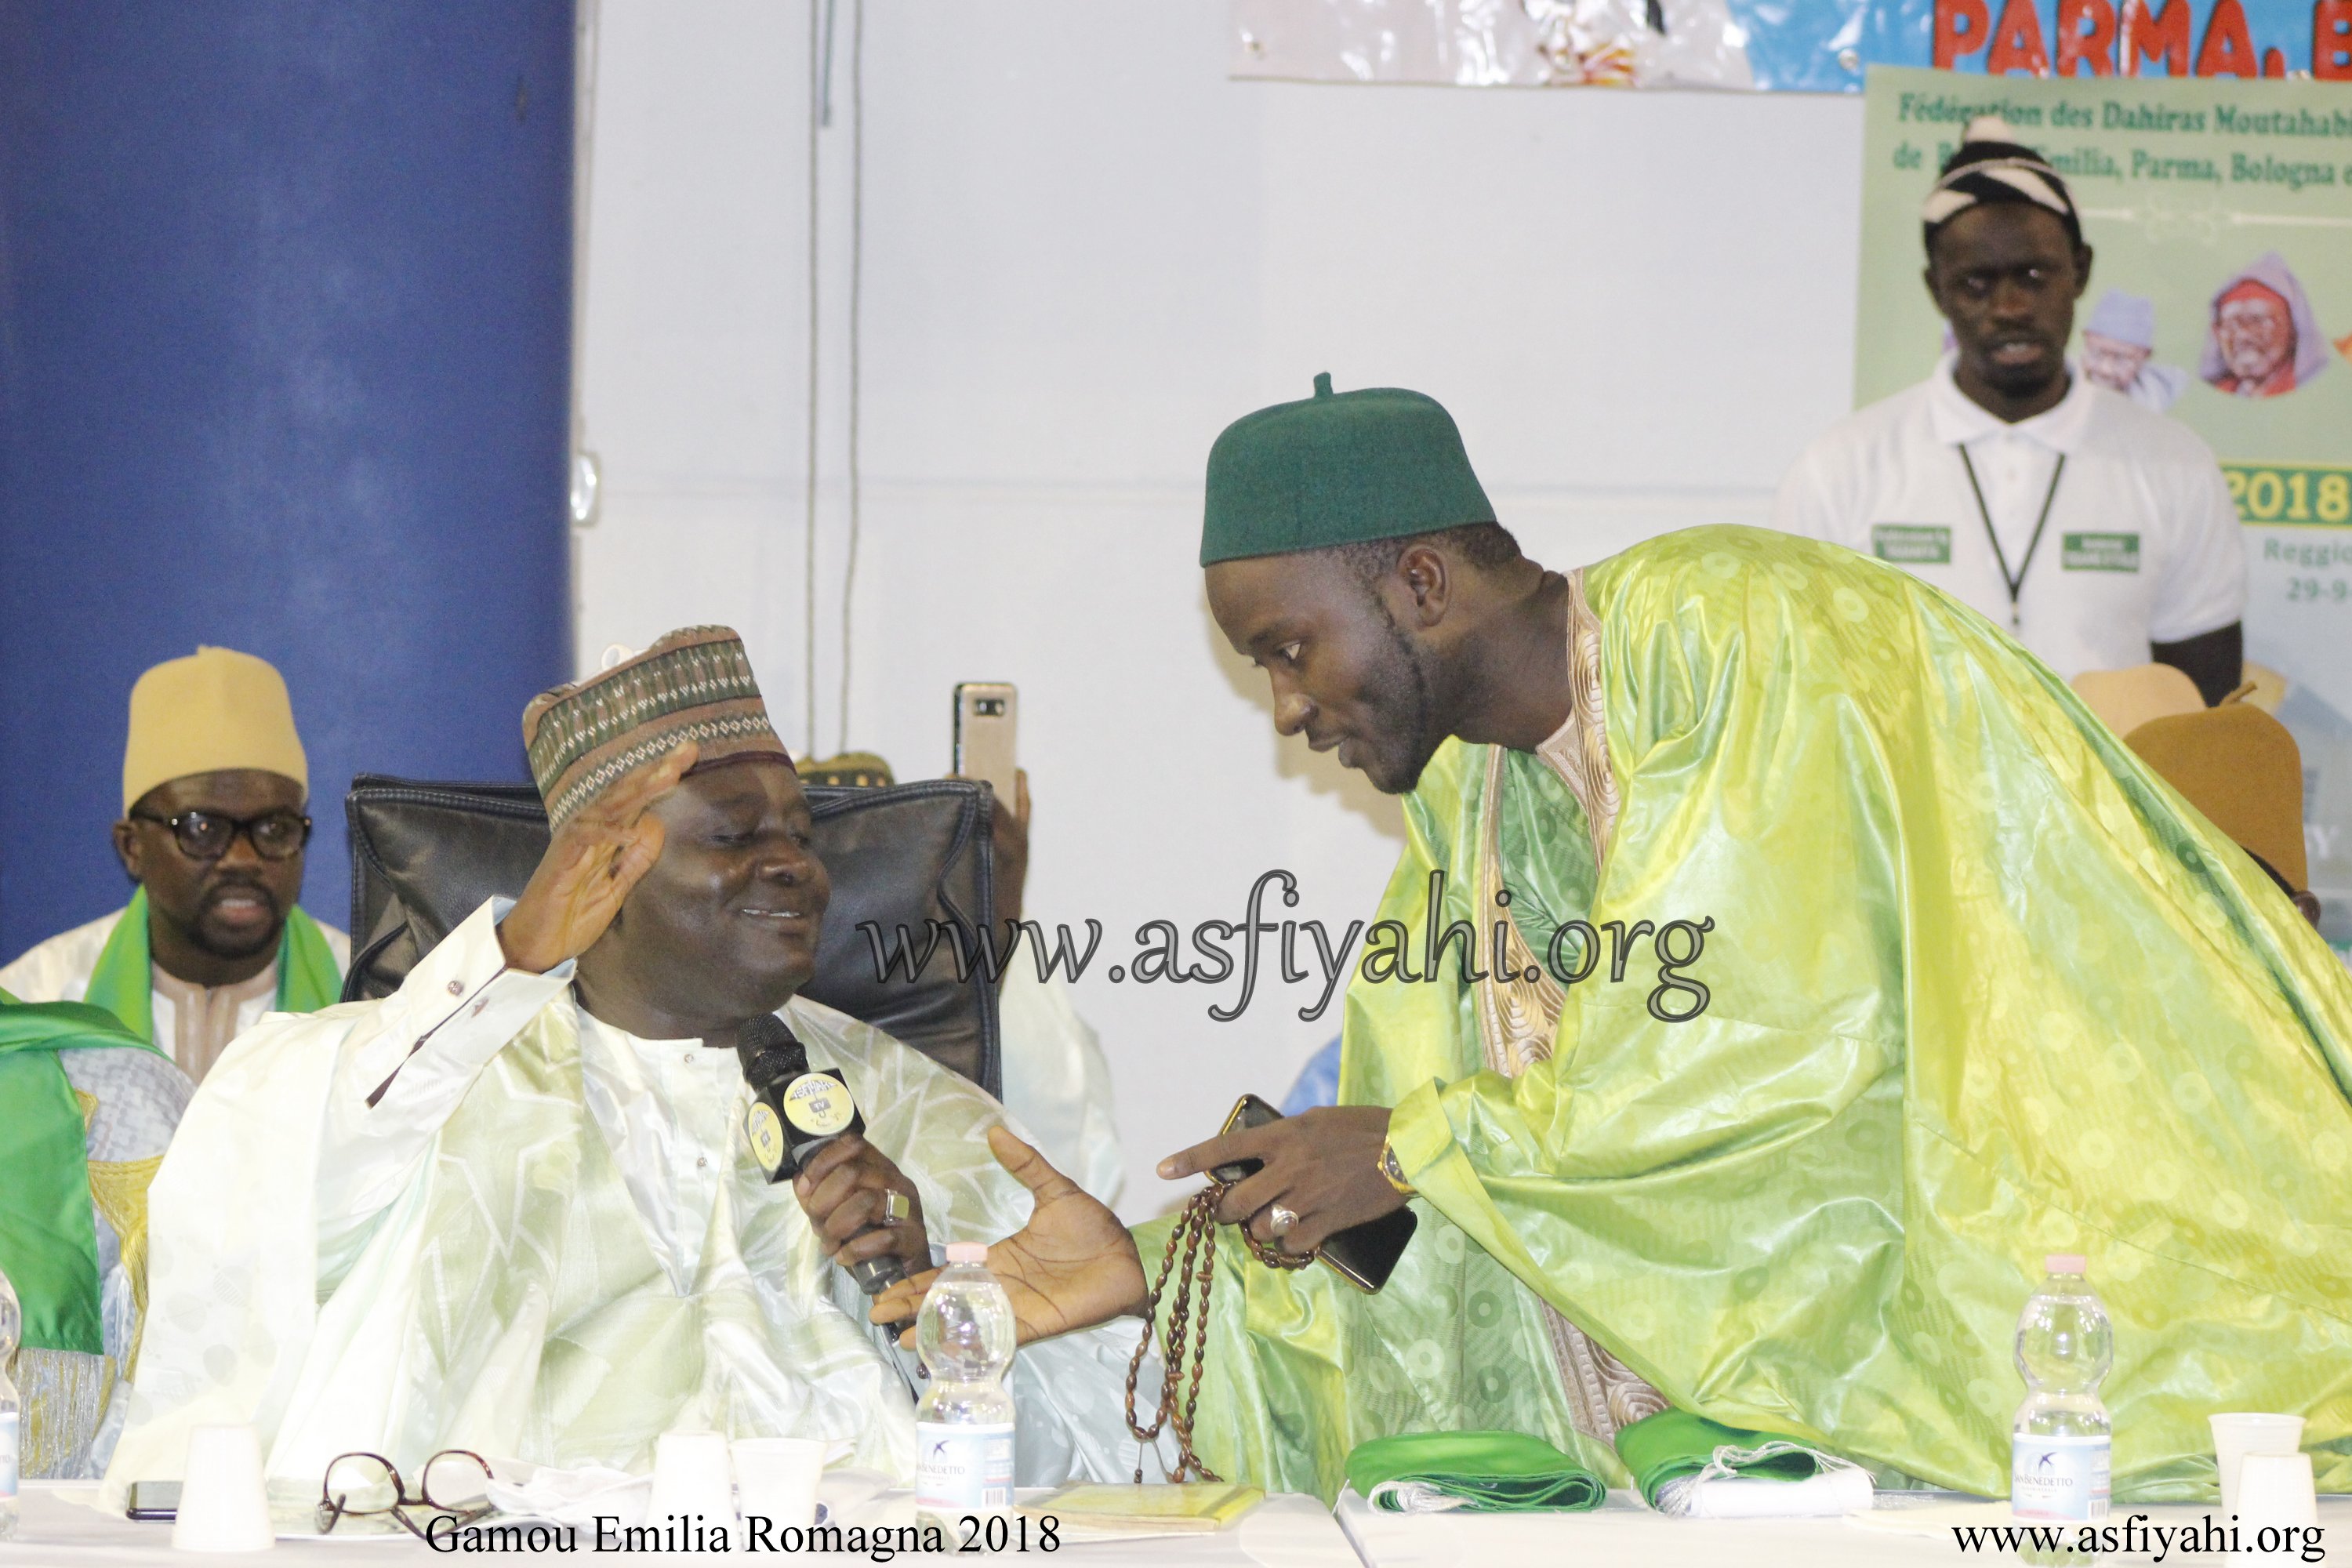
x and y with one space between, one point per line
1281 1532
1621 1530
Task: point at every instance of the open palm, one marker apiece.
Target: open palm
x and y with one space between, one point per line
1072 1266
591 863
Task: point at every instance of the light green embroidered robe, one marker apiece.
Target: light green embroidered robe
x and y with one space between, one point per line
1980 988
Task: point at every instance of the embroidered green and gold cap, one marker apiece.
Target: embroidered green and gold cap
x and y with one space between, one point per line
1338 468
693 684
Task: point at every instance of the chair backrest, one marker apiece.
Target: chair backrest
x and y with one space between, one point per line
426 855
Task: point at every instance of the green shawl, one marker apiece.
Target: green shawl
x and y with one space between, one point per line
1676 1445
48 1242
1481 1473
308 978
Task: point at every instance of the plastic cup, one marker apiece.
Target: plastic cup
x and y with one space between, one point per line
2238 1434
692 1476
224 1501
2275 1493
776 1479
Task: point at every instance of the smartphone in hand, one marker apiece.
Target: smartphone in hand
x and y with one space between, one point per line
1363 1255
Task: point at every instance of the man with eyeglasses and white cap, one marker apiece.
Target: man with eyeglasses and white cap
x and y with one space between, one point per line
215 792
2096 533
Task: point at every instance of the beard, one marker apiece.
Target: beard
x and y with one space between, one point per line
2252 361
1401 696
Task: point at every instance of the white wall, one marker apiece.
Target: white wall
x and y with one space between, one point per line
1084 251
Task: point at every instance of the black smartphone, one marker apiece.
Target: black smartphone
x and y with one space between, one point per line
154 1499
1363 1255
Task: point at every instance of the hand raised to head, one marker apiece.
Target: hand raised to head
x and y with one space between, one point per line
1072 1266
590 864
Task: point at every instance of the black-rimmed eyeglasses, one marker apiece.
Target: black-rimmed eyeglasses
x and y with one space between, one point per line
207 835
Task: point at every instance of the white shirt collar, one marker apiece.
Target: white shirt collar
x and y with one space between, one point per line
1957 419
668 1109
685 1053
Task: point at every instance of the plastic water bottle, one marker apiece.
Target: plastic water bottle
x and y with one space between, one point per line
12 1324
963 1427
2059 1446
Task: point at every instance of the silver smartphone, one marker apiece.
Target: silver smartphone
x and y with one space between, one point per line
986 712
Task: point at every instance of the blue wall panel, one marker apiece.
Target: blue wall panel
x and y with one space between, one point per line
285 349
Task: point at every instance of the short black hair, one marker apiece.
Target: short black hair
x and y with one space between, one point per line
1485 545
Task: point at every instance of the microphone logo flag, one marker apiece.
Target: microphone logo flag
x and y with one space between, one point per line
819 1104
767 1136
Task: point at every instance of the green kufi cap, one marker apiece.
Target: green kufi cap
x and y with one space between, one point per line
1338 468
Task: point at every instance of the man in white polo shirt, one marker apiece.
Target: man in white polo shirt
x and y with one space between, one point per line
2099 533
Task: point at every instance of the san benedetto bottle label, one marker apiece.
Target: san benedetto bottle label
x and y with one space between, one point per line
963 1469
2058 1477
819 1104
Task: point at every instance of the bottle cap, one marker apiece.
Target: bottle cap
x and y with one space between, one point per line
2056 1263
967 1252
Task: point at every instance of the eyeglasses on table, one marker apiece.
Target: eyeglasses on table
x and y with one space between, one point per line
369 1485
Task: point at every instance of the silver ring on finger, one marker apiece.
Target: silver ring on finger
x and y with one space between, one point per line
1278 1221
896 1208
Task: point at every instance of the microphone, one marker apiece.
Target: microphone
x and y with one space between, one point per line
795 1111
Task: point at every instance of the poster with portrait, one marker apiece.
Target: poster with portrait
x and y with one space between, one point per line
2220 215
1779 45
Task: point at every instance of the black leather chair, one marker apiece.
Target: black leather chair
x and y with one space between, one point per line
426 855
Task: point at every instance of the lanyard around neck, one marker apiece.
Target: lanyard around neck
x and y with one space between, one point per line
1984 513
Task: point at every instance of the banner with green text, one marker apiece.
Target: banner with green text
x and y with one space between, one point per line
2219 213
